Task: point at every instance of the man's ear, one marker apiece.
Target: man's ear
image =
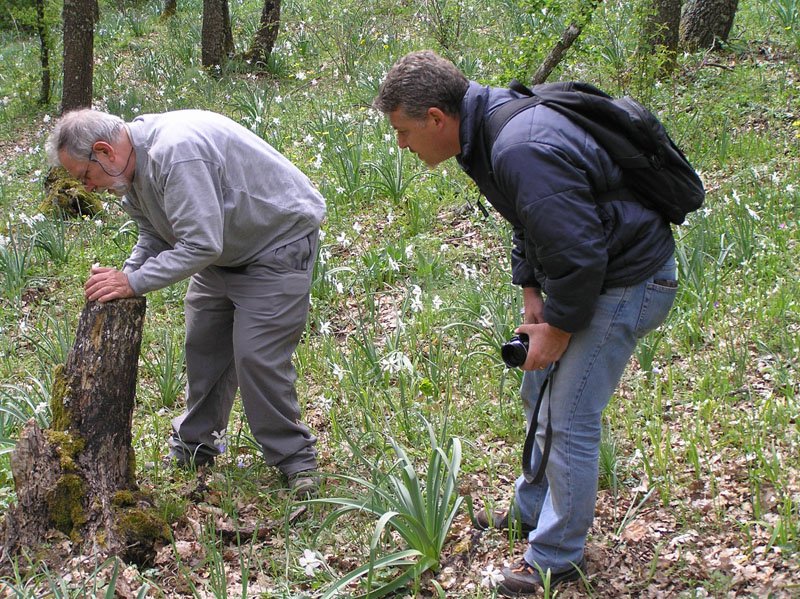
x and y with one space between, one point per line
104 148
436 115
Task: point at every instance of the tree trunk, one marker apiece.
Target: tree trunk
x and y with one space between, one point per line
556 54
571 33
264 40
706 23
78 476
79 18
217 38
662 31
170 8
44 39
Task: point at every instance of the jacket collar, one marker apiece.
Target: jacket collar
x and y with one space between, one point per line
472 114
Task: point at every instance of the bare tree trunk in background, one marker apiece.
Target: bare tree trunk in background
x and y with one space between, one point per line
44 39
79 476
662 31
79 18
706 23
571 33
170 8
217 38
264 40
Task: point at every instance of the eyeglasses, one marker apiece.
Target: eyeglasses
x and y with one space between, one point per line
86 172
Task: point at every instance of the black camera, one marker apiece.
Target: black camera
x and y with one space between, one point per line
515 351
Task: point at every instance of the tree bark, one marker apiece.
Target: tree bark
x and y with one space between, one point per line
78 476
707 23
664 26
264 39
571 33
79 19
556 54
44 39
217 38
170 8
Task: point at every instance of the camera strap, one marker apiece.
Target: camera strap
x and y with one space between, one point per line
530 437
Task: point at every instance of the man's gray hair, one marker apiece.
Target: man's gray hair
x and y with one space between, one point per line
422 80
77 131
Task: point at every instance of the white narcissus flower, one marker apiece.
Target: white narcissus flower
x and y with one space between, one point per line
220 438
491 576
310 561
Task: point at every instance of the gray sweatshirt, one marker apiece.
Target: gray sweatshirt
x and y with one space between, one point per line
208 191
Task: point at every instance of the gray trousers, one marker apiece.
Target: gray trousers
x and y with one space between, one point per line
242 327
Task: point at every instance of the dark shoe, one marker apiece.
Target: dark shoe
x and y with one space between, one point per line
304 485
499 519
524 579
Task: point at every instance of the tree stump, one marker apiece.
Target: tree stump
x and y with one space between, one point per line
79 476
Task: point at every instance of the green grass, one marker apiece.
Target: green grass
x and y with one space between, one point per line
412 297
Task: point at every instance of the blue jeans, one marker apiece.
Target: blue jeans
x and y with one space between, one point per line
562 504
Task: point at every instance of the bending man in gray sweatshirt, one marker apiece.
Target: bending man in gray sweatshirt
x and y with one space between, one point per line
216 203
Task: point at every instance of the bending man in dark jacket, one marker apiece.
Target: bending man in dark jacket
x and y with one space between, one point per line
607 271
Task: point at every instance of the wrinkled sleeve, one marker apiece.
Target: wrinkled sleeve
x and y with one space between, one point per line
522 273
560 227
148 244
193 205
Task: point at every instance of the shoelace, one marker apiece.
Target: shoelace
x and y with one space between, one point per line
523 567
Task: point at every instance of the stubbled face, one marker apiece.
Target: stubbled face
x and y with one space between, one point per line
93 175
420 136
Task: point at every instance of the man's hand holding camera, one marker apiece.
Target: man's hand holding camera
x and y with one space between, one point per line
546 343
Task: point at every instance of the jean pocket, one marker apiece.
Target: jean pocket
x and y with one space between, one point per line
658 298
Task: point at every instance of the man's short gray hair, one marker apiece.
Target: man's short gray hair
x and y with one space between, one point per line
422 80
77 131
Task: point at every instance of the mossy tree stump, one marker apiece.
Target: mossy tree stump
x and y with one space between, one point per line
78 476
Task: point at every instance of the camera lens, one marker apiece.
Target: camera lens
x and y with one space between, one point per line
515 351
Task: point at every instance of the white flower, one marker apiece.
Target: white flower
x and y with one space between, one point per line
325 328
396 362
469 271
357 227
325 403
393 264
409 251
310 561
491 576
220 438
338 372
343 239
437 302
300 75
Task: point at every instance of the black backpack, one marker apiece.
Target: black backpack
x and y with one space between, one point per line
654 168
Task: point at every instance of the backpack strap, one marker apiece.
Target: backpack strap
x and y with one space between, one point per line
530 437
505 112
